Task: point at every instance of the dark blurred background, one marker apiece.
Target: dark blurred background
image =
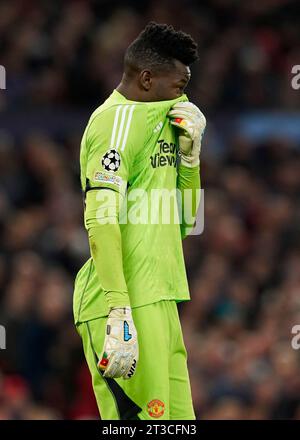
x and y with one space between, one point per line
62 59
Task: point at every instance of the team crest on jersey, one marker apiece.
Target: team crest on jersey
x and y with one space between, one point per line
111 160
156 408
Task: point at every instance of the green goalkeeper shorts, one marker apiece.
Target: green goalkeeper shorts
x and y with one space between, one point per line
160 388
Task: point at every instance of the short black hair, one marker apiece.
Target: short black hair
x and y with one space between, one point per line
158 45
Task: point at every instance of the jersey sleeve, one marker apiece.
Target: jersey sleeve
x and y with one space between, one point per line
113 139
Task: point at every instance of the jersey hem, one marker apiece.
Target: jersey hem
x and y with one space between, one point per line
103 314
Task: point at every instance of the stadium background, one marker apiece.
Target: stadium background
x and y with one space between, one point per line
62 58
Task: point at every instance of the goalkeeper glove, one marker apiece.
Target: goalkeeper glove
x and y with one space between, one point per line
191 122
120 352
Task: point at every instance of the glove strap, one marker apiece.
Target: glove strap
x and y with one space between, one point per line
122 311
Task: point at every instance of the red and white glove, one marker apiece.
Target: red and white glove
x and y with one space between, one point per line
191 122
120 353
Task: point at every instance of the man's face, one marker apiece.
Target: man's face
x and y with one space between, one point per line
169 84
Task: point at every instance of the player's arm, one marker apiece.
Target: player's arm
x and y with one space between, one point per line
119 356
111 151
189 185
190 123
101 219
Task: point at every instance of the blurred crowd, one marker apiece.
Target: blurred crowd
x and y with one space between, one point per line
70 52
244 270
245 285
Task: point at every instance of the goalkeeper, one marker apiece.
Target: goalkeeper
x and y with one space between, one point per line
145 136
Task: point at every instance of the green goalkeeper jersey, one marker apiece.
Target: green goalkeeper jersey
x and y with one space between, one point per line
131 148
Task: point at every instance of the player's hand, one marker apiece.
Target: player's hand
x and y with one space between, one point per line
120 353
191 122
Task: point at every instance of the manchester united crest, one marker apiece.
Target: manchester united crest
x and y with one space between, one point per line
156 408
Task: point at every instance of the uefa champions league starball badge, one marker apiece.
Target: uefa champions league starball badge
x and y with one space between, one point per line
111 161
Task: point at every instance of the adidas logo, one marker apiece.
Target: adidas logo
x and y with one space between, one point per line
158 127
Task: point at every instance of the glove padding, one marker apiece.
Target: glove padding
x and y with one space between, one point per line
191 122
120 353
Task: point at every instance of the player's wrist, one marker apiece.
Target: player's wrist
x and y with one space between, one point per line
120 312
188 172
189 162
117 299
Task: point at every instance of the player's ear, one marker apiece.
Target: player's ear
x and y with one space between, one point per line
146 79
